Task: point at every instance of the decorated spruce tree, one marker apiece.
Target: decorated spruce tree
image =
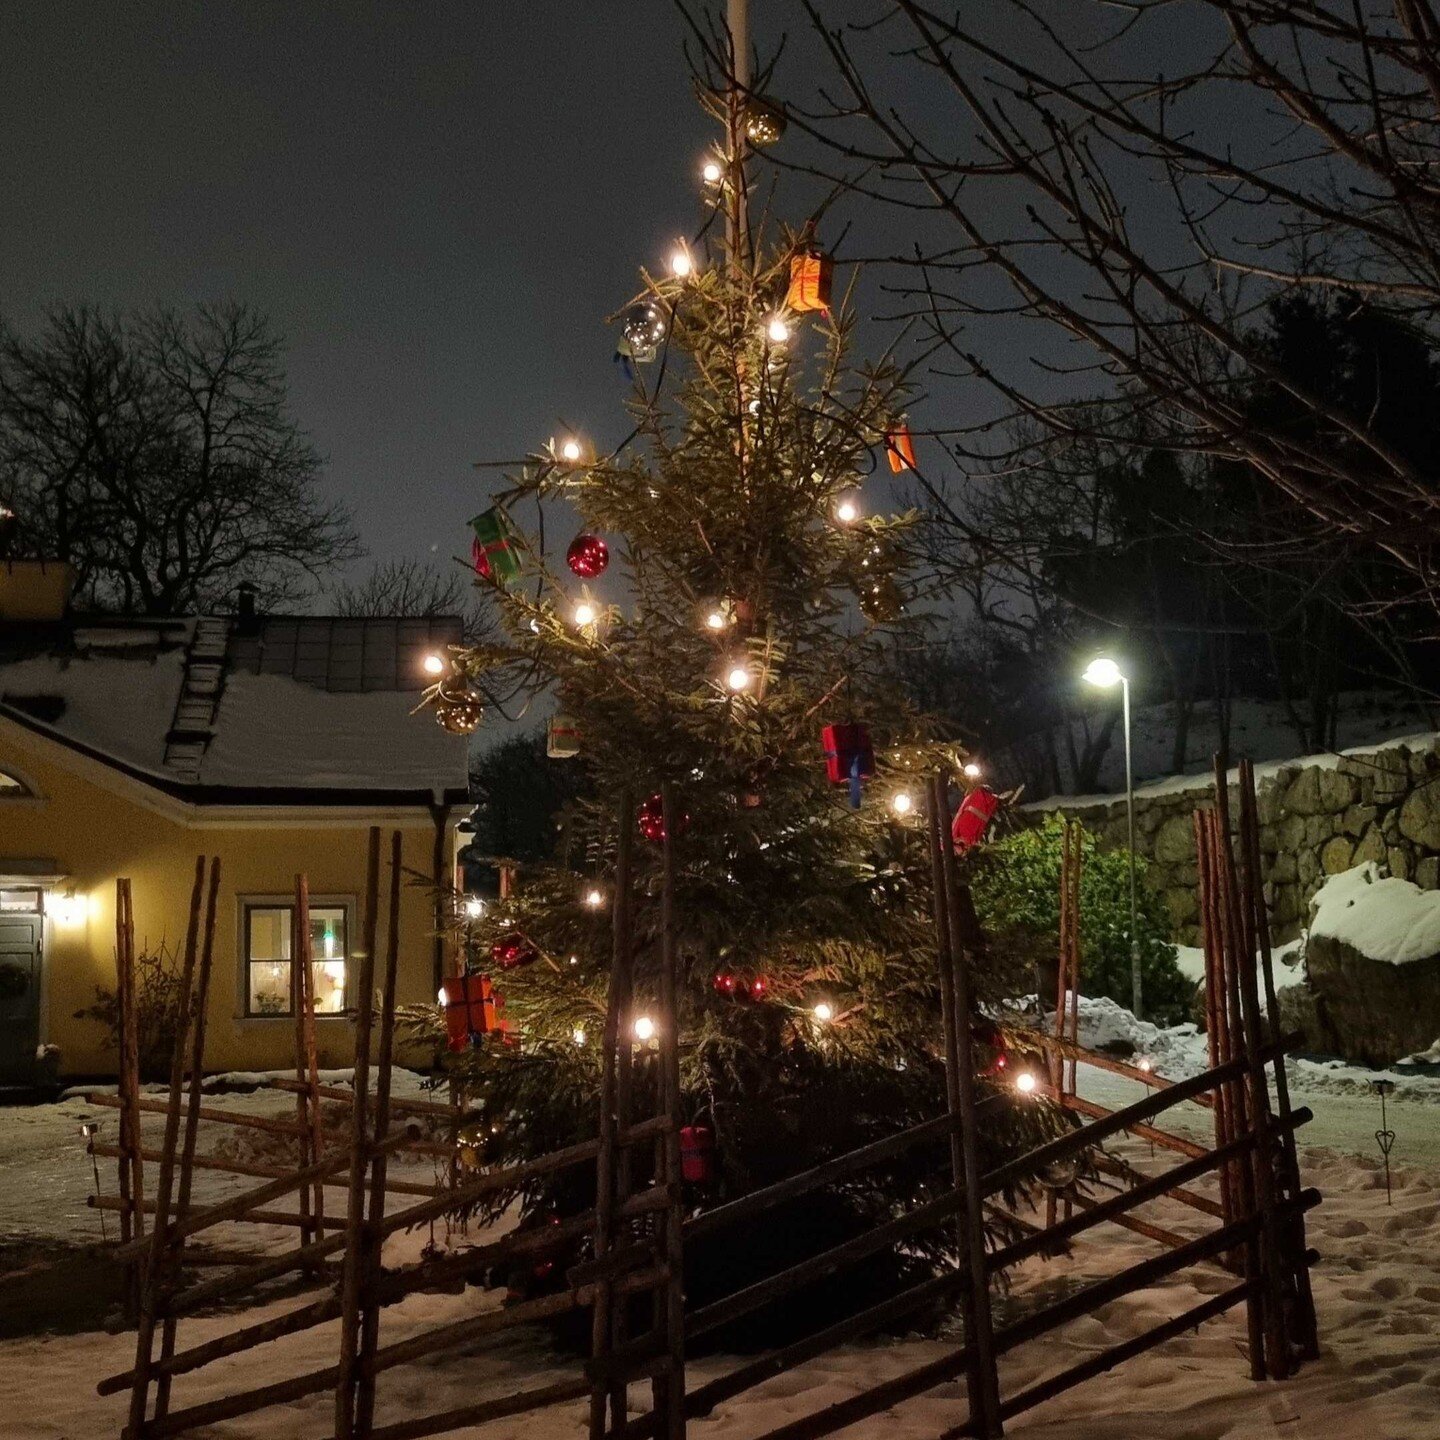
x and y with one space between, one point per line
725 621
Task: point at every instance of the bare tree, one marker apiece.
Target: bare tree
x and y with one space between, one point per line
1143 179
157 453
416 588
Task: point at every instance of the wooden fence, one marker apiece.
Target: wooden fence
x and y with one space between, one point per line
637 1233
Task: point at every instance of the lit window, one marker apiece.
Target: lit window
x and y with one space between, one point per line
268 973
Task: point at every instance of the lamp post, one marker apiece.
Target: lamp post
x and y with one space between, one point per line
1105 673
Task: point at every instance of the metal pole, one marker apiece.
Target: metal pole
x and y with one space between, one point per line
1137 1000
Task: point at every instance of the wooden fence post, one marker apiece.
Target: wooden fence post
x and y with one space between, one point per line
965 943
353 1274
154 1260
1307 1336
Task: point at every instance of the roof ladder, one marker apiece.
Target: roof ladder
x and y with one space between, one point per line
193 725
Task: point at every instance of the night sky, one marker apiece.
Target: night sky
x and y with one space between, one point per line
438 202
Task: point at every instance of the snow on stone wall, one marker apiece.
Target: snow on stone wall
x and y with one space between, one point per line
1320 815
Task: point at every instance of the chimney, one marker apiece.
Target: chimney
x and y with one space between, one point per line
35 590
245 605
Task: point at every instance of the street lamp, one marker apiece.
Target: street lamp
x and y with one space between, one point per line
1105 673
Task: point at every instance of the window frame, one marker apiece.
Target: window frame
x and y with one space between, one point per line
248 903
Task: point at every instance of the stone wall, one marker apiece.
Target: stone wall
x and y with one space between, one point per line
1316 819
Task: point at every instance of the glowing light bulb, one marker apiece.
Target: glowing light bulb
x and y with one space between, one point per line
1145 1063
571 451
716 620
824 1012
441 996
847 512
594 899
1025 1082
578 1035
681 264
901 803
973 771
433 664
712 172
738 679
644 1028
474 907
584 613
778 330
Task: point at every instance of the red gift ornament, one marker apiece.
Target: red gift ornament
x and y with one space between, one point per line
513 950
650 818
973 817
588 556
469 1010
697 1154
849 756
900 449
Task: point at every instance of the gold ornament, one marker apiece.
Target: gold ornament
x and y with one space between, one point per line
458 709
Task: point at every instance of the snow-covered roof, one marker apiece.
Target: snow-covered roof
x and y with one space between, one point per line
282 709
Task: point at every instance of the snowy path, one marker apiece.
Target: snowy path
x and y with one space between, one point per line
1377 1288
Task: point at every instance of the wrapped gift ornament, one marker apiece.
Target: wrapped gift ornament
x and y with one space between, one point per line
900 449
469 1010
697 1154
495 550
562 737
811 274
849 756
973 817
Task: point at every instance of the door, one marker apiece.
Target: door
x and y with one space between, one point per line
19 997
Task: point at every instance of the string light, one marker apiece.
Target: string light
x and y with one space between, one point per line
594 898
644 1028
824 1012
433 664
681 265
1025 1082
584 614
847 512
578 1035
738 679
712 172
441 996
717 620
474 907
1145 1063
778 330
972 771
901 803
571 450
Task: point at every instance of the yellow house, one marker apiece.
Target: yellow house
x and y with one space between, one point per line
128 747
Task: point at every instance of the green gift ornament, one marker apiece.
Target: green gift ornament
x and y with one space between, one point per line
495 551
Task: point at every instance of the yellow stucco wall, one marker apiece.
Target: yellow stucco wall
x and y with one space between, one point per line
98 826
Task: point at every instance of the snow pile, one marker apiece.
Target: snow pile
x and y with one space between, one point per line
1175 1053
1288 966
1390 919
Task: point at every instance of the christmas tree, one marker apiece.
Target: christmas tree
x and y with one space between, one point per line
725 625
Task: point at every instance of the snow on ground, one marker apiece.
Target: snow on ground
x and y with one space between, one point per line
1377 1290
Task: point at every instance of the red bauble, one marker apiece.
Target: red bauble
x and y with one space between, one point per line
759 987
513 950
726 982
588 556
988 1039
650 817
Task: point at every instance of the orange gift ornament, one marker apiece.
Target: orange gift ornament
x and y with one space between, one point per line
900 449
811 271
